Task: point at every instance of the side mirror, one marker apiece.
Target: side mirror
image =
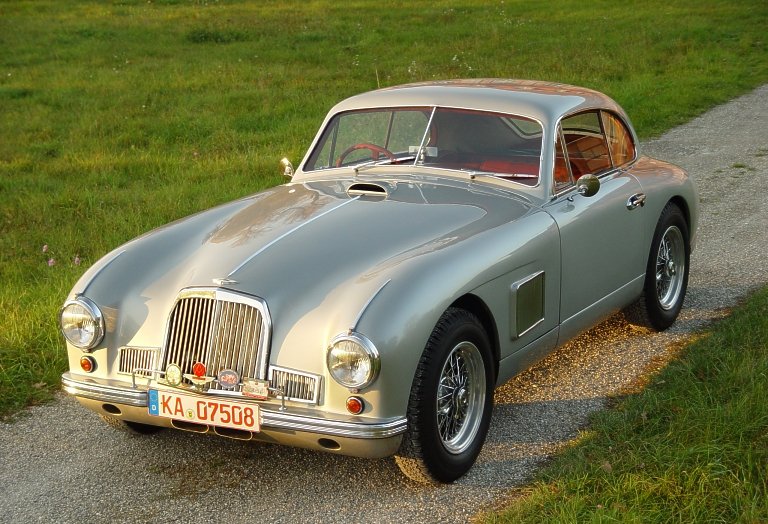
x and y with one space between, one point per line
588 185
287 167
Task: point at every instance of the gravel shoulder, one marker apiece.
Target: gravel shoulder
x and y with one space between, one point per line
60 463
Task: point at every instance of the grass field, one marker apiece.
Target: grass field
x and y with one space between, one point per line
692 447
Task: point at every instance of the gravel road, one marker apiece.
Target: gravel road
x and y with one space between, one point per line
59 463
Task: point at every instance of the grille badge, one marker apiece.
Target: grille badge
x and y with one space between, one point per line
173 375
224 281
228 379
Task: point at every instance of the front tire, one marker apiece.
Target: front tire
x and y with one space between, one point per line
666 274
451 400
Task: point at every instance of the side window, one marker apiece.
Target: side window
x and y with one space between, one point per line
619 139
585 144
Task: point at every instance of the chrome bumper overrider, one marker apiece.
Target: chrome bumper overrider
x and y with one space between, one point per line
271 418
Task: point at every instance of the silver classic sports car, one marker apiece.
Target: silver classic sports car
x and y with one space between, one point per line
437 239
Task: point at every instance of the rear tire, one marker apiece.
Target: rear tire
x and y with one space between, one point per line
451 400
135 428
666 274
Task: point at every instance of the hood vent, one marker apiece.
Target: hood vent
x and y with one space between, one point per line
367 189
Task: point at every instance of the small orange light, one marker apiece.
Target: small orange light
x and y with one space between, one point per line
87 364
355 405
199 369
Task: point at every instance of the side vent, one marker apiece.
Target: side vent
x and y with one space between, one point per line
367 189
527 304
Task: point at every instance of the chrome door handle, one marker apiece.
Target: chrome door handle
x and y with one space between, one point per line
635 201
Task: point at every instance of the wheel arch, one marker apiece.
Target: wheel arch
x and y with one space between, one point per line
480 309
680 202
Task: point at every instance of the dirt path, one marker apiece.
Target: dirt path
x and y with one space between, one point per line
61 464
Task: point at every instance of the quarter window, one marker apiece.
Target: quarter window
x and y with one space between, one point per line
619 140
585 144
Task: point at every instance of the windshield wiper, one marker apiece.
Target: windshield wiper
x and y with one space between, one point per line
385 162
474 174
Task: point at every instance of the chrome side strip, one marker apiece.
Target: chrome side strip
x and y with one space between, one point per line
270 419
96 274
362 311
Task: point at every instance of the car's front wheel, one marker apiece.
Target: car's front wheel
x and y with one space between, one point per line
451 400
666 274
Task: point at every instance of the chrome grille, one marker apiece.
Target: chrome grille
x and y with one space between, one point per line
138 360
221 329
295 385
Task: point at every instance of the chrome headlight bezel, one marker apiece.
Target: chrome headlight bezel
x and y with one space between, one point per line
88 313
346 349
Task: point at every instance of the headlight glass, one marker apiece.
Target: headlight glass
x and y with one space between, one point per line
353 360
82 323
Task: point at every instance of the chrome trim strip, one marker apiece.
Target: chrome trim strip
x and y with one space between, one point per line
362 311
533 326
104 392
270 419
422 144
282 420
97 273
278 239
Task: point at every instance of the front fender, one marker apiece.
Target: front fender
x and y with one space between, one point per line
401 318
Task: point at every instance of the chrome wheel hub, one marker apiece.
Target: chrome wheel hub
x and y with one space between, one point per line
670 267
460 397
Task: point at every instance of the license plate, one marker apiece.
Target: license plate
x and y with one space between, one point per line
204 410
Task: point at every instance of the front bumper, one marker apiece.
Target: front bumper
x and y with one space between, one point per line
367 439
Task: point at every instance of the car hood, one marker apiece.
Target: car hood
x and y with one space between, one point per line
295 245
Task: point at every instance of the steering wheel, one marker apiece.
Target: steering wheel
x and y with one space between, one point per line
373 148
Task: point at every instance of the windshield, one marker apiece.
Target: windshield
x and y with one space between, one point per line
502 145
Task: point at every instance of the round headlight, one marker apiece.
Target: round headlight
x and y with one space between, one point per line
82 323
353 360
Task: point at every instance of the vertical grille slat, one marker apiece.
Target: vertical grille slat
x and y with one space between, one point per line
222 333
298 386
136 360
248 339
227 330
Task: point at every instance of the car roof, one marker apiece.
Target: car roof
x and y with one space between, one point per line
543 101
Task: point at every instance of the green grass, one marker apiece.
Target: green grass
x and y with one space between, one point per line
691 447
116 117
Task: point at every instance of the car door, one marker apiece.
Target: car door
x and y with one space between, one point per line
602 258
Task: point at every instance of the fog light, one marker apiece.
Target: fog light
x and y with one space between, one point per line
355 405
87 364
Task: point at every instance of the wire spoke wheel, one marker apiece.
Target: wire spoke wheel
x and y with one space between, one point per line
449 408
666 274
460 397
670 268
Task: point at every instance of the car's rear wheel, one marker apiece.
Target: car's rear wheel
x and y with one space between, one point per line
451 400
666 275
135 428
